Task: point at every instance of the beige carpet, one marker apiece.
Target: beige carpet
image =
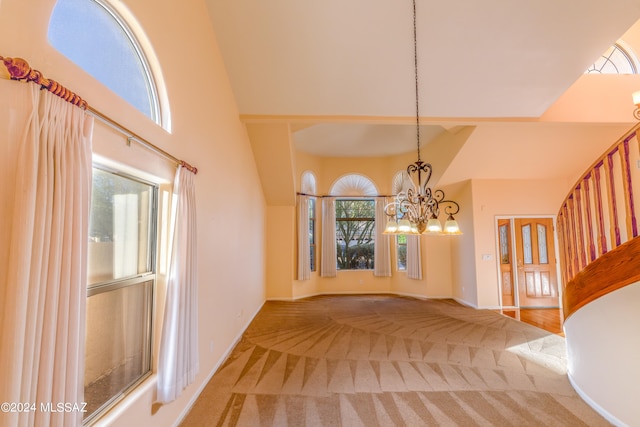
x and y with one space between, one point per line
390 361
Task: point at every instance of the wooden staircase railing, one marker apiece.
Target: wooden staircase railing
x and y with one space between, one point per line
599 215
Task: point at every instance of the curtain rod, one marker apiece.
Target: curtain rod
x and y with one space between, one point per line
320 196
19 69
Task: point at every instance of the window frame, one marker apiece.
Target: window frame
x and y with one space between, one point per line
372 219
398 246
312 234
130 282
155 104
612 57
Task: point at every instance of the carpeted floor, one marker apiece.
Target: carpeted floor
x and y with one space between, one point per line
377 360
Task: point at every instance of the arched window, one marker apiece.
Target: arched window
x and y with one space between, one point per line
616 60
401 182
353 185
308 184
355 222
93 35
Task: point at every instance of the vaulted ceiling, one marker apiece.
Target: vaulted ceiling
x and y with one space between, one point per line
342 73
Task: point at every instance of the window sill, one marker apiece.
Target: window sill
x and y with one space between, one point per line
147 386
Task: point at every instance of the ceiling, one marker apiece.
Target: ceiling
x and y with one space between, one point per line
342 72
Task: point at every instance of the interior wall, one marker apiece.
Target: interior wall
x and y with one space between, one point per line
463 259
603 346
435 255
271 145
281 267
206 132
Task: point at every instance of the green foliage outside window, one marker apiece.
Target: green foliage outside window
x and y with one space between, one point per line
401 240
355 233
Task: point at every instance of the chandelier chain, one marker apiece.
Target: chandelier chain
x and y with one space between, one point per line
415 67
416 208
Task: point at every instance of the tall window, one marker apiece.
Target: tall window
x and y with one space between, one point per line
308 186
312 233
121 278
355 233
401 245
401 182
95 37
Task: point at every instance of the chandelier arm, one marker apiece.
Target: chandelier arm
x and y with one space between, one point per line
451 207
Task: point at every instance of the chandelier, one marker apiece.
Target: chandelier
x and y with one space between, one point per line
416 209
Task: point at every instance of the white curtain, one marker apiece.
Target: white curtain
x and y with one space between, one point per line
178 362
414 263
43 329
329 260
304 260
382 261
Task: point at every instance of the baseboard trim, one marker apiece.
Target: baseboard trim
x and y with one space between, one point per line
599 409
224 357
404 294
485 307
465 303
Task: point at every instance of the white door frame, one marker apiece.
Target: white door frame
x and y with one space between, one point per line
512 218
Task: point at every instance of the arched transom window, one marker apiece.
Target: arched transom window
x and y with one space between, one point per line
353 185
93 35
308 184
616 60
401 182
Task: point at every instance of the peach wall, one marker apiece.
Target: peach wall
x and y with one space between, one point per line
596 98
271 145
463 259
436 270
306 288
206 132
281 247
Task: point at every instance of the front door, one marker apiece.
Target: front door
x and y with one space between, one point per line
536 262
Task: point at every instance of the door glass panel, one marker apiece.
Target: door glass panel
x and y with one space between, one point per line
542 244
526 244
504 244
